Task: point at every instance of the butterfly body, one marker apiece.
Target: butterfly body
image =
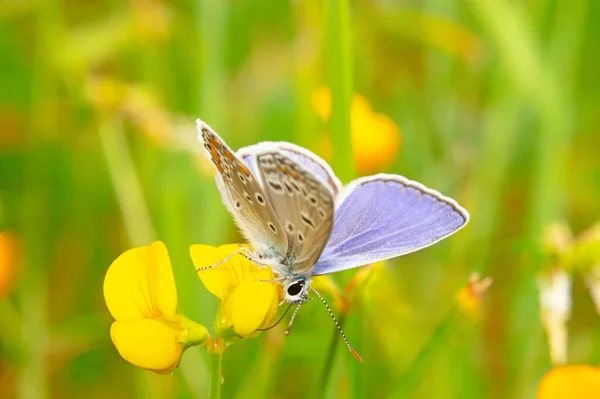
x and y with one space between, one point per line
301 221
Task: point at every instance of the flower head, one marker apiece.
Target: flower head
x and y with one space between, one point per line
140 293
375 137
570 382
469 297
248 301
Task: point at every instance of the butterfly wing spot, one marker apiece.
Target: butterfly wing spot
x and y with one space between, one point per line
242 178
288 187
276 186
282 168
248 197
289 227
300 237
313 200
260 199
217 165
321 213
244 170
272 227
307 220
238 204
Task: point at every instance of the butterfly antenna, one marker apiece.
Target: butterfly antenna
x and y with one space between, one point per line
350 348
278 321
289 327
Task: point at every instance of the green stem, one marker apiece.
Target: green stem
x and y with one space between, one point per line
126 182
338 57
216 359
331 352
424 357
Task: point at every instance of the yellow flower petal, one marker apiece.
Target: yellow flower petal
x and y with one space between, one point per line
147 343
570 382
249 305
140 284
375 138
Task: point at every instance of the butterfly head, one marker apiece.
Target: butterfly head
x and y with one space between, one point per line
296 289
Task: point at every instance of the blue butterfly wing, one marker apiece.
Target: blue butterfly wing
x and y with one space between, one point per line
385 216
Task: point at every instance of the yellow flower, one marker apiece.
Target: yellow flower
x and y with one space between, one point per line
247 302
140 293
375 137
9 263
570 382
469 297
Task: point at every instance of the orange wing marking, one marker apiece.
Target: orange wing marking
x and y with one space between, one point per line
244 170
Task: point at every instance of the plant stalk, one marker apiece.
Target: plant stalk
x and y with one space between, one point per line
216 360
329 360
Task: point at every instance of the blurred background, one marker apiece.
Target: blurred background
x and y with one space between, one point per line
494 103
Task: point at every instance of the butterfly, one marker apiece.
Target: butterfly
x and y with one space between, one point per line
302 222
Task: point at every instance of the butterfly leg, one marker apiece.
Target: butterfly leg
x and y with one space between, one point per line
244 251
240 250
273 280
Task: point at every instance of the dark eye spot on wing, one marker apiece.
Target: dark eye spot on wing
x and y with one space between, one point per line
290 227
242 178
238 204
248 197
304 193
272 227
300 237
276 186
295 186
288 187
312 200
260 199
307 220
321 212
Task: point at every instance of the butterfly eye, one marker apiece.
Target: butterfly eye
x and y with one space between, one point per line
295 288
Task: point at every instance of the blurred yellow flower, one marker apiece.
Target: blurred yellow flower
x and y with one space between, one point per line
570 382
248 302
9 263
140 293
469 297
376 138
